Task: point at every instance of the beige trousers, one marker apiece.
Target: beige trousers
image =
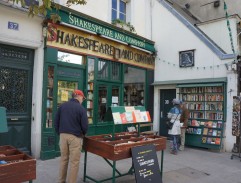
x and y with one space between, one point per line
70 148
183 132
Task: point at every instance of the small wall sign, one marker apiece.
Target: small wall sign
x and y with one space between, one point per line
186 58
13 25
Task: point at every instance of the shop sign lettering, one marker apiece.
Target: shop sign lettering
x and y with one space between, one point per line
79 41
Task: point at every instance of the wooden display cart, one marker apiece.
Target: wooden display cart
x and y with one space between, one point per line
19 166
117 146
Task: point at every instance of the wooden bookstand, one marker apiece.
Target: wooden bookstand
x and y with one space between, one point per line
19 166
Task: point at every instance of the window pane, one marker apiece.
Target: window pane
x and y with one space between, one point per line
102 102
123 17
122 7
115 96
70 58
115 71
114 14
134 86
103 69
114 4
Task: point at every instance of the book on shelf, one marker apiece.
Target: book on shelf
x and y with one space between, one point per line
199 131
219 133
210 132
217 141
89 104
204 140
220 124
209 140
214 133
195 123
214 125
205 131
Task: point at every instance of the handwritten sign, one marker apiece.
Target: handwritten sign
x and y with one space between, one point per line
146 164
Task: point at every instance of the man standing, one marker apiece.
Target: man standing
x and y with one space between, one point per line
71 124
184 120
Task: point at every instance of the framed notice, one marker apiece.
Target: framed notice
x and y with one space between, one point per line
186 58
146 164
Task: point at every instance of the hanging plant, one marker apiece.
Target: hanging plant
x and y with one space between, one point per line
121 24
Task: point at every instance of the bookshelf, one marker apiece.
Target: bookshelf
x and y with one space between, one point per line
206 120
49 103
90 91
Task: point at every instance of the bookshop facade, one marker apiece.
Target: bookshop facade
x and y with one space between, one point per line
113 67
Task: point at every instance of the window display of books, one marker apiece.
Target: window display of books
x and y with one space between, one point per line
206 107
90 90
49 103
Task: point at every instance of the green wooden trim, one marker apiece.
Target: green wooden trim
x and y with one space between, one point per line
199 85
88 23
190 81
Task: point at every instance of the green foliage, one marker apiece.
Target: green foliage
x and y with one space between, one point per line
123 24
42 8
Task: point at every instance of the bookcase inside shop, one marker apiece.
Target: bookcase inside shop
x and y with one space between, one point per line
206 120
90 91
49 104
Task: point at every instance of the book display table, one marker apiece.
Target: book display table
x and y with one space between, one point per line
118 147
16 166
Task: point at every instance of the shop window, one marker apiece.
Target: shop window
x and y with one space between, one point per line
70 58
49 104
115 68
102 102
134 86
90 87
119 10
103 69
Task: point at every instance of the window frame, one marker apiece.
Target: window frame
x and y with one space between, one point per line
118 12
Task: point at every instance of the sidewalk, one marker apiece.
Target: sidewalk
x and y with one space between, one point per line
189 166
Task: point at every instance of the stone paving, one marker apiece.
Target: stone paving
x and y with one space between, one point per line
189 166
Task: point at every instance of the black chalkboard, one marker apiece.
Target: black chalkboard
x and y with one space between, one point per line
146 164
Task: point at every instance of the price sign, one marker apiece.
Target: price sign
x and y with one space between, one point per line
146 164
13 26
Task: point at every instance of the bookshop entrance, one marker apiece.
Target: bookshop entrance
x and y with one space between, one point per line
166 97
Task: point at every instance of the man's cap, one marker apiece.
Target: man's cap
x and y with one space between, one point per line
176 101
79 92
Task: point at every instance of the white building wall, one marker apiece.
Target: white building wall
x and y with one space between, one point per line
137 13
29 35
172 36
218 32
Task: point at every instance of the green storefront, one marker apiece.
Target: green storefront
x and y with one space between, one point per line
112 66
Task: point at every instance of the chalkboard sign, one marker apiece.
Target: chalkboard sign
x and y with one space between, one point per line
146 164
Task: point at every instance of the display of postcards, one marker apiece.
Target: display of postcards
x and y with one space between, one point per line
210 132
129 117
205 131
204 140
214 133
214 124
116 117
209 140
123 118
199 131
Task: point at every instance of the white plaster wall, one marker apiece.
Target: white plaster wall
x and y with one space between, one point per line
172 36
28 36
138 13
95 8
218 32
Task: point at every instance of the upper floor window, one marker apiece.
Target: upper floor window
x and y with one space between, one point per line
119 10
